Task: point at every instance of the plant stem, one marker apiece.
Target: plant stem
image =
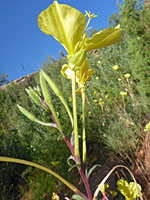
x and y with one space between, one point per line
84 151
25 162
76 137
85 181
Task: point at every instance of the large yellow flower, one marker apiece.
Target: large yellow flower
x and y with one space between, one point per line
68 26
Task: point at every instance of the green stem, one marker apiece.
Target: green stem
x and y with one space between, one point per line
76 137
84 155
124 103
68 110
25 162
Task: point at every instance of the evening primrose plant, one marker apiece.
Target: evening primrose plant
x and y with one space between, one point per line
70 28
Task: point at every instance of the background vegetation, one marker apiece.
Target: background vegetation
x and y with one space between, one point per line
115 121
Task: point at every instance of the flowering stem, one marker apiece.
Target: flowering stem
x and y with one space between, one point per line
84 156
76 137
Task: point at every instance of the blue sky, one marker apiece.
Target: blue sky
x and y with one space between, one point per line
23 47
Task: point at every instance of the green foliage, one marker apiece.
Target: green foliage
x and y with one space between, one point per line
112 122
114 20
136 24
21 139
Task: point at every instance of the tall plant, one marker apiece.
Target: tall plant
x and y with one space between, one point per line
69 27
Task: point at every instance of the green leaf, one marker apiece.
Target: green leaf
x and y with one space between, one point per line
58 93
64 23
77 59
33 118
92 169
48 99
103 38
25 162
35 97
76 197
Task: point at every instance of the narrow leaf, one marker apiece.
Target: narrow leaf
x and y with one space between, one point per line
33 118
92 169
76 197
58 93
34 96
48 99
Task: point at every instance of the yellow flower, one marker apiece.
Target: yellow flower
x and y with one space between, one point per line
99 62
95 100
119 79
123 93
82 75
89 113
147 127
102 91
106 96
69 27
95 92
101 103
129 190
96 78
127 76
90 15
113 193
115 67
104 187
55 196
55 163
100 99
131 82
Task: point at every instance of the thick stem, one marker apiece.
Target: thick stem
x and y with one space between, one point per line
76 137
84 151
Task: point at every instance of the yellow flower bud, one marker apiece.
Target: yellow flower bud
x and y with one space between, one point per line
95 100
127 76
115 67
99 62
95 92
147 127
55 196
89 113
101 103
123 93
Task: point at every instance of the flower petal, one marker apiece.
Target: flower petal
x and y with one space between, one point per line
64 23
103 38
